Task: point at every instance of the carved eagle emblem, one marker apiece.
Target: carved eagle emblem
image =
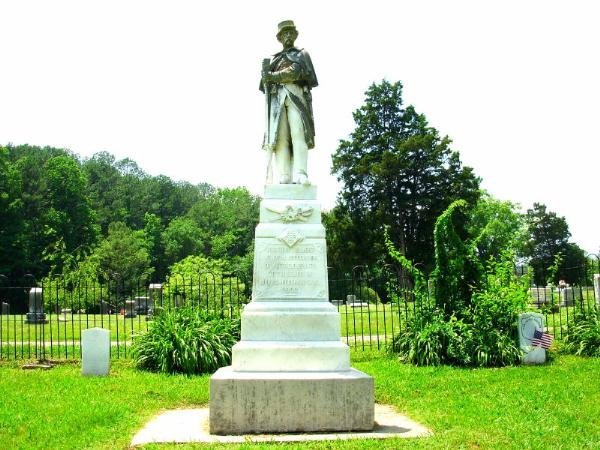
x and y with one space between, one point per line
291 214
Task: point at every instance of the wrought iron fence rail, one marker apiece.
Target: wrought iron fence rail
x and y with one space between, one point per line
45 319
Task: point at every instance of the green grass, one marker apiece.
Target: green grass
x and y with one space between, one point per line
550 406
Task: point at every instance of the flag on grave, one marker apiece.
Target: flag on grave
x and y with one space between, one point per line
541 339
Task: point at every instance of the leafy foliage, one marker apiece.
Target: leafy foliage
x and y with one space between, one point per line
206 282
471 317
186 340
583 334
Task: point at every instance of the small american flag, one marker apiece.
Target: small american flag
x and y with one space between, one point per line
541 339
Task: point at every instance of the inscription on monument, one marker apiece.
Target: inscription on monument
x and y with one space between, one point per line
295 272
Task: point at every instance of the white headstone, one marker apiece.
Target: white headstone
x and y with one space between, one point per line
569 295
528 323
95 349
597 287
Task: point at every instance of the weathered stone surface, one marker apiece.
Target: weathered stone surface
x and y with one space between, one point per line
597 287
290 191
290 371
259 402
290 321
95 352
527 324
280 356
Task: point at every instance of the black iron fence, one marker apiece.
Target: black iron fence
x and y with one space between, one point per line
45 319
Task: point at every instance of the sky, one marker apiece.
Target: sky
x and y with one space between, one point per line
174 86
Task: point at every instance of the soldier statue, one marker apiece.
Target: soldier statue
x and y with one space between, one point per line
287 79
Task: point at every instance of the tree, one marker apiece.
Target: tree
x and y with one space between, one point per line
227 218
123 256
548 236
397 171
12 253
182 238
496 226
68 218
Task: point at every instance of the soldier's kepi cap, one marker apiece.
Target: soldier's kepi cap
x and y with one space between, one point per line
286 24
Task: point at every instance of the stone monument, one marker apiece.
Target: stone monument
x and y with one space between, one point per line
597 288
528 323
36 307
290 371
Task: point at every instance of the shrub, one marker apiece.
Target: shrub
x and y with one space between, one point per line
469 317
204 282
186 340
583 335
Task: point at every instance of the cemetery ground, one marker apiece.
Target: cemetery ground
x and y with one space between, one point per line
549 406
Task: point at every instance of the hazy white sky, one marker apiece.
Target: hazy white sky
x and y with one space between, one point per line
174 86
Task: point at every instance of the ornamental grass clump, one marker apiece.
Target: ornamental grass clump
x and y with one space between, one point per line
583 335
186 340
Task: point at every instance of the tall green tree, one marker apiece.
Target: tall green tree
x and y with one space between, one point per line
183 237
69 220
548 236
397 171
12 252
123 257
227 218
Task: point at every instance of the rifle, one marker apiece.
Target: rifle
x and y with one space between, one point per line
267 146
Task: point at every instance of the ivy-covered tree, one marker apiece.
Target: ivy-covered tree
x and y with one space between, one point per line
397 171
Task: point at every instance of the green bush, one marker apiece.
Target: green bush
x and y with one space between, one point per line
204 282
583 335
186 340
367 294
469 317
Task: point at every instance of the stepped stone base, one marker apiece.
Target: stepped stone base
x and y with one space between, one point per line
268 402
299 356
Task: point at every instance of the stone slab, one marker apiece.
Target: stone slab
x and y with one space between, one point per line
290 321
191 425
527 324
267 402
597 288
290 356
290 192
95 352
295 269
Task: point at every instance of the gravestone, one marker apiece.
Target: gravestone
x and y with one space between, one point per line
95 352
130 309
527 324
36 307
142 305
155 293
568 296
5 308
290 371
63 314
544 295
597 288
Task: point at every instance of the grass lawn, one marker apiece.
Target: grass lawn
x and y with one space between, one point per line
552 406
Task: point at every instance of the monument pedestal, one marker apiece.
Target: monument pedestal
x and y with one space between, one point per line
290 371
